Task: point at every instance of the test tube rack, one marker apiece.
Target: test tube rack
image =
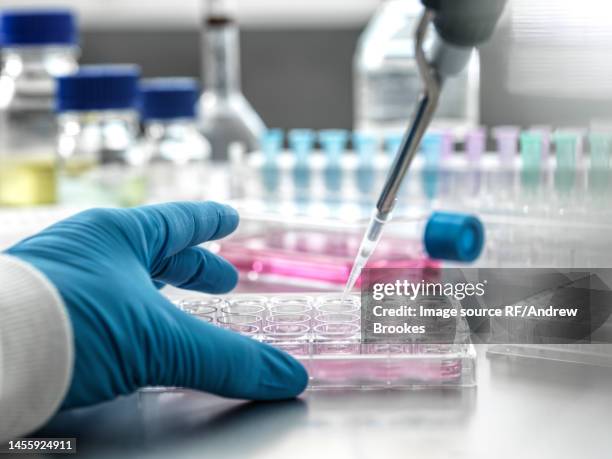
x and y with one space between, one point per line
536 172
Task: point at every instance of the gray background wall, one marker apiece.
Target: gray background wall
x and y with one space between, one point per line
293 78
302 77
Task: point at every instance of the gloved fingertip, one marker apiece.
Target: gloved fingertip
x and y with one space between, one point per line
229 219
221 277
282 376
226 216
229 280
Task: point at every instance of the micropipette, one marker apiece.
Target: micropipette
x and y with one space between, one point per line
408 147
456 36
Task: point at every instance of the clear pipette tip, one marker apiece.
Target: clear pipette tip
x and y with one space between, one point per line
367 247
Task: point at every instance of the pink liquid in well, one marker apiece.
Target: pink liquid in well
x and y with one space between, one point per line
321 257
402 371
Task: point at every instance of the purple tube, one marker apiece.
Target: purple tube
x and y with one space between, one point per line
447 147
475 144
507 143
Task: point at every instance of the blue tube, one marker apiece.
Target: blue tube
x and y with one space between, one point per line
365 146
431 147
301 142
392 143
333 142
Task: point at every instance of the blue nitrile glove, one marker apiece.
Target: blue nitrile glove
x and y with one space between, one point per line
126 334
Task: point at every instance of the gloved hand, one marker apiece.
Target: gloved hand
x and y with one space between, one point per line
126 334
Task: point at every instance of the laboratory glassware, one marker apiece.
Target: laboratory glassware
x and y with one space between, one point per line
335 356
37 45
98 123
387 81
177 153
225 115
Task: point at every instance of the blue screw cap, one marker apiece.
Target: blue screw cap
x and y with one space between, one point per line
168 98
31 27
98 87
456 237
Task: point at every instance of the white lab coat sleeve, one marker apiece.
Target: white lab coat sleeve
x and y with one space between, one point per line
36 348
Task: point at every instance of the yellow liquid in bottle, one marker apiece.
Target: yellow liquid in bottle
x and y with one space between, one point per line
27 180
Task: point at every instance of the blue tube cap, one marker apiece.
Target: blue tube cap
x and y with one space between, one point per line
98 87
456 237
168 98
272 140
31 27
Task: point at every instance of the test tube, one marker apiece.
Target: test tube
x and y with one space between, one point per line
546 133
301 142
392 143
333 142
365 146
475 143
507 144
531 160
447 137
271 143
431 147
566 143
599 168
447 150
501 183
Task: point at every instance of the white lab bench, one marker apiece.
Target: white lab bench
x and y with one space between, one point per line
520 409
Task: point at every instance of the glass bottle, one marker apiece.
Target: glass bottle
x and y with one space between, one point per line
38 45
225 116
387 82
177 153
99 163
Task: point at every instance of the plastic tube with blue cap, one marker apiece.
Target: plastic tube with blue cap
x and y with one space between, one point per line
333 142
301 142
431 147
366 146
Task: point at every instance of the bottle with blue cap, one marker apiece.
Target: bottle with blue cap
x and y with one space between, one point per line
37 46
178 154
98 126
